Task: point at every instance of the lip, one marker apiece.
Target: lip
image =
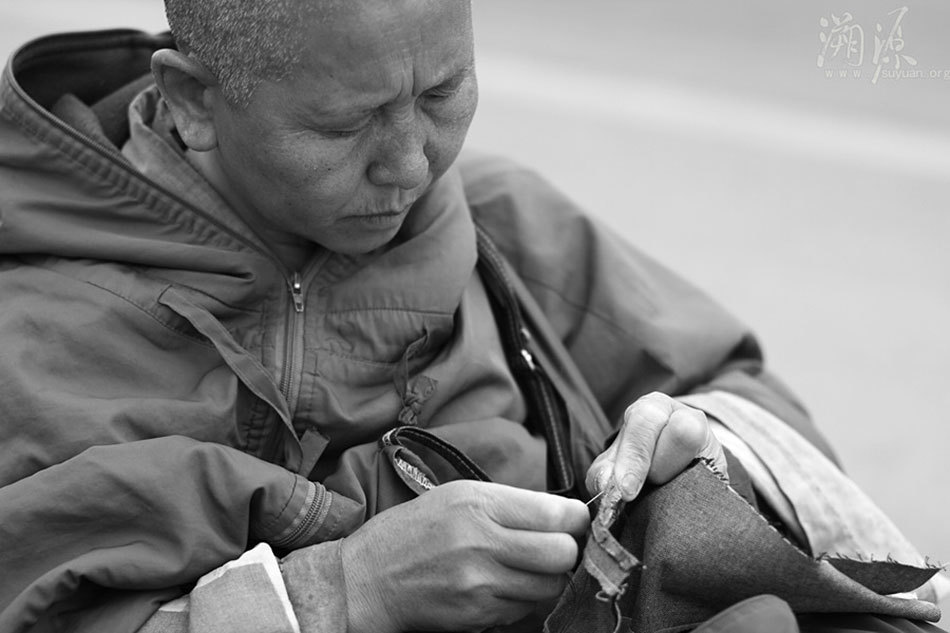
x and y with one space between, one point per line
385 218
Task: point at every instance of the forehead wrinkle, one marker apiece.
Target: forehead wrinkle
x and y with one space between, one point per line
368 54
363 87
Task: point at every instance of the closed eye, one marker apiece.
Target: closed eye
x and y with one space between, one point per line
340 133
442 92
344 131
449 88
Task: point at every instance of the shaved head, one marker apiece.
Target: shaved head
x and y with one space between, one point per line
242 42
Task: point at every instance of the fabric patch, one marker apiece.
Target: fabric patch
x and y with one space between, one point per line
244 595
242 600
167 621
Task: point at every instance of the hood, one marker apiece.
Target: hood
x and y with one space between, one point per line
66 190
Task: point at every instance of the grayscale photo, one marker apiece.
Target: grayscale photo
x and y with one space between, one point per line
514 316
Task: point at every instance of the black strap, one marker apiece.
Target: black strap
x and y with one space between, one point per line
547 412
456 458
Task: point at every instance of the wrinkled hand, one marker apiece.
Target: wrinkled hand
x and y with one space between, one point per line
463 556
658 440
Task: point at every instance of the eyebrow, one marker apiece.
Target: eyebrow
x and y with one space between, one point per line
321 110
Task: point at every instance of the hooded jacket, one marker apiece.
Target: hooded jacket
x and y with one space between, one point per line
171 394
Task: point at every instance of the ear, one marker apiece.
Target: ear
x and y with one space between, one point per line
188 88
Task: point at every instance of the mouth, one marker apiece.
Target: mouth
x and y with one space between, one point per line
385 218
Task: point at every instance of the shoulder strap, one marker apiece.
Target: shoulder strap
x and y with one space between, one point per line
547 412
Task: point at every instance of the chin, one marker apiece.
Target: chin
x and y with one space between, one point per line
360 245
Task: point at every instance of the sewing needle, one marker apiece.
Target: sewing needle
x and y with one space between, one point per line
595 498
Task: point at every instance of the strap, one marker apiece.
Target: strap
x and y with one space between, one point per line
462 464
547 410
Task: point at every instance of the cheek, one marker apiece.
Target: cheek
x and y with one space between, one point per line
325 173
451 130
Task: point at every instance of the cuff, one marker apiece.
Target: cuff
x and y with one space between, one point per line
247 594
316 587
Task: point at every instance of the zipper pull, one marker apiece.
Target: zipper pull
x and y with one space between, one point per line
525 354
296 292
529 359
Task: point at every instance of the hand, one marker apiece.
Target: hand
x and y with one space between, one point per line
463 556
659 438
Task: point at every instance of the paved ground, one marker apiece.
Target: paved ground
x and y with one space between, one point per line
812 205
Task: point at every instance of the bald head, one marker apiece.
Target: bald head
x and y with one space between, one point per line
242 42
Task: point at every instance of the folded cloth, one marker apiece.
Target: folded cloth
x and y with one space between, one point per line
689 549
246 595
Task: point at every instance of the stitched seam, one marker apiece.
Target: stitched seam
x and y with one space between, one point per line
290 497
199 291
113 172
388 310
199 340
359 359
577 306
513 170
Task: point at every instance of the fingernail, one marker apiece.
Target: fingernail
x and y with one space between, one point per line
603 478
630 485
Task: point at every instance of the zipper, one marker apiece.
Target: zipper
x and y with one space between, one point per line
296 293
315 517
291 363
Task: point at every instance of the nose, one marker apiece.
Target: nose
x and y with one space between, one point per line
401 159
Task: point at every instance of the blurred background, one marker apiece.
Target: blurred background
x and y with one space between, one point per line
791 160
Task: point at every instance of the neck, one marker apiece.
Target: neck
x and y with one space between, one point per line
292 251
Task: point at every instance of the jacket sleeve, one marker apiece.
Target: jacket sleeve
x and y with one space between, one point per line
123 475
96 542
631 325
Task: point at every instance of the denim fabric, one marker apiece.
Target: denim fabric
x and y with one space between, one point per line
835 514
693 547
754 615
852 623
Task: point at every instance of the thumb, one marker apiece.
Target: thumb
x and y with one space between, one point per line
687 436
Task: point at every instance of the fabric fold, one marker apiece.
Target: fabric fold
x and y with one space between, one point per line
701 548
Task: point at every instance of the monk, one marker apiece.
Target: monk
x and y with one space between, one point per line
237 262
